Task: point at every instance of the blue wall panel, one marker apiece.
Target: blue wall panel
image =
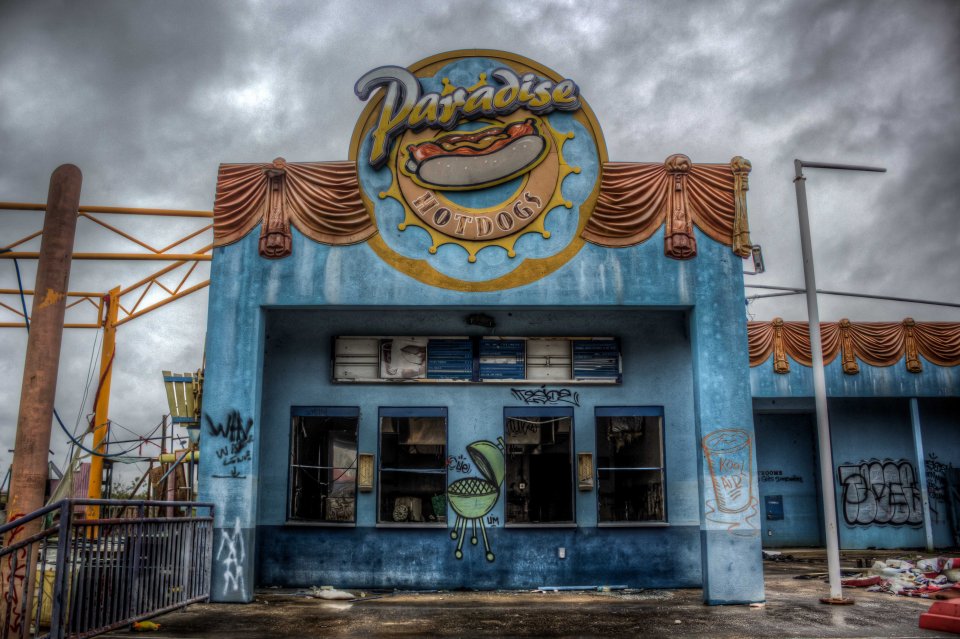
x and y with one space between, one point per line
940 425
871 381
787 466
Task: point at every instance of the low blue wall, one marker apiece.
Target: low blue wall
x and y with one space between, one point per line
423 559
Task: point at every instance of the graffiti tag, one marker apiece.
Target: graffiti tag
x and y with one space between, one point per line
936 483
458 464
543 395
881 492
232 563
14 575
239 436
778 476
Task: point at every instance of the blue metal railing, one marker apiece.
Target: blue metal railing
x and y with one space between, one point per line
62 575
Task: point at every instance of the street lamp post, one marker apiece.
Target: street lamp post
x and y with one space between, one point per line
819 378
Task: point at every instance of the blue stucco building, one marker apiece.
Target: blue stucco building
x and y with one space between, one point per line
479 354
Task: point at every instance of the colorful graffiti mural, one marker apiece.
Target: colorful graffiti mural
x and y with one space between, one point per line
472 498
728 454
881 492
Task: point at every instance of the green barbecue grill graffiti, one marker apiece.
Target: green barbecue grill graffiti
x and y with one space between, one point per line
473 497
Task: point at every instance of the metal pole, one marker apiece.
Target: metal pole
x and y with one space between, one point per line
819 378
921 470
101 420
29 470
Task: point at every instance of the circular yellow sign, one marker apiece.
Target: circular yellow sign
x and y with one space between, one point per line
518 152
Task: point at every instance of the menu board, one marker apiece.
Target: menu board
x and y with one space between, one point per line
502 359
450 359
596 359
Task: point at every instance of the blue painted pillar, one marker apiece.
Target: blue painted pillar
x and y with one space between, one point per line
230 430
729 494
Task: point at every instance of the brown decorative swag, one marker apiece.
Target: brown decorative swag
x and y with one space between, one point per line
637 198
875 343
322 200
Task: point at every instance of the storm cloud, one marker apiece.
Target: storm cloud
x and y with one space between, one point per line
147 98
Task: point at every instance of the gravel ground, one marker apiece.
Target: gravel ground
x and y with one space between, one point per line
792 609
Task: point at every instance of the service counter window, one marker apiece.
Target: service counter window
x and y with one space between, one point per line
630 467
323 464
413 467
539 466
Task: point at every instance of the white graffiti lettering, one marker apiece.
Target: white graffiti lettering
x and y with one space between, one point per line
233 561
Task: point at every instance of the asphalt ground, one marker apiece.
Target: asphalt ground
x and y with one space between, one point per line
792 609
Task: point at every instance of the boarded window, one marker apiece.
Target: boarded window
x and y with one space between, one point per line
413 466
630 469
323 463
539 465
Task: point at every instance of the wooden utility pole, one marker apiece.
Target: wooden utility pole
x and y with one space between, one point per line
29 472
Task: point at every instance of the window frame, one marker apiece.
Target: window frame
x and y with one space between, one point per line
631 411
543 411
411 411
321 411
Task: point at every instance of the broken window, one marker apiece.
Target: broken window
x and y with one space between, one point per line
539 465
323 464
413 466
630 470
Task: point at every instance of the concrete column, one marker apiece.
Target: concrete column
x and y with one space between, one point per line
230 427
921 471
730 512
29 474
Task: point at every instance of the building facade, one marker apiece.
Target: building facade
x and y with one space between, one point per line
480 354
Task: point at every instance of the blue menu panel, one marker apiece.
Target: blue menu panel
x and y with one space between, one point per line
502 359
450 359
596 359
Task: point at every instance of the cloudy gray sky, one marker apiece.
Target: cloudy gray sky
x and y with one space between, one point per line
147 98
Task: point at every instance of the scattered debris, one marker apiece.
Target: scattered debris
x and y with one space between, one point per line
328 593
565 588
920 578
145 626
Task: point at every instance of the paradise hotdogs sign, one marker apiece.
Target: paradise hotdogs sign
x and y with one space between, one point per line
476 149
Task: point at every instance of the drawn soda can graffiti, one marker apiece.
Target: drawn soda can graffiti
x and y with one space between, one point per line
728 455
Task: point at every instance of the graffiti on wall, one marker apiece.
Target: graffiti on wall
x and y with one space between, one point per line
14 576
881 492
936 485
544 395
236 452
778 476
728 454
232 560
472 498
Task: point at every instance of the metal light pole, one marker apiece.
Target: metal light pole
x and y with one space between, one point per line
819 378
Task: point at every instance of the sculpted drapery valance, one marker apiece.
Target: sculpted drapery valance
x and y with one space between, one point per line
874 343
636 199
322 200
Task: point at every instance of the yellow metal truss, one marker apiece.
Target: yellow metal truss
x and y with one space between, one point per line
131 298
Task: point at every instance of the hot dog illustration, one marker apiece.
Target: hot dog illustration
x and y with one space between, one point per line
464 160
